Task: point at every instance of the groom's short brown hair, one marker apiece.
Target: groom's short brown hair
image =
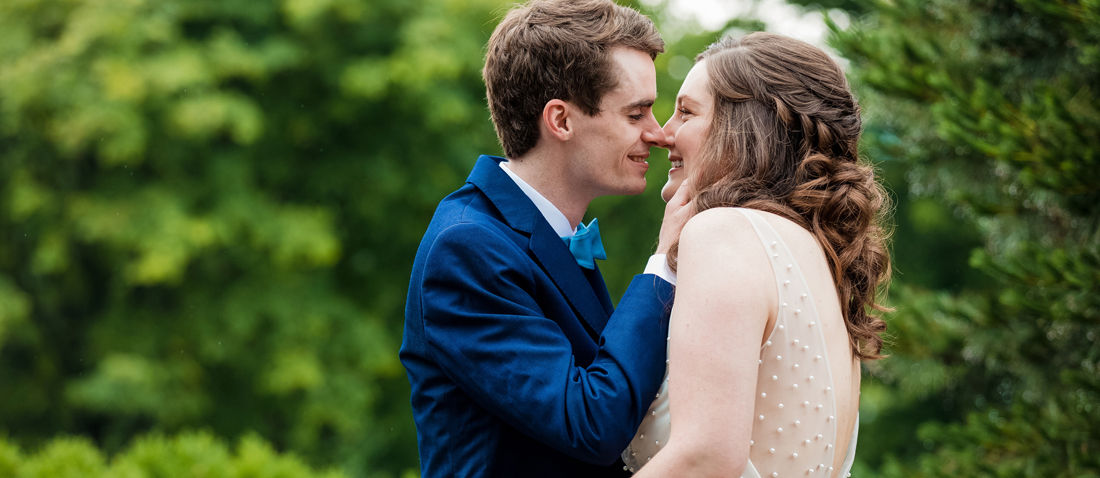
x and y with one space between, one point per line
557 49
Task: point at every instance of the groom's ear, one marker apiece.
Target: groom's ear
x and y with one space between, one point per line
558 120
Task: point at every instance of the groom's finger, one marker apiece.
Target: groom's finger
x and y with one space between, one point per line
683 194
677 212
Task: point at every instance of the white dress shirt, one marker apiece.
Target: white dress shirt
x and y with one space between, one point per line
657 265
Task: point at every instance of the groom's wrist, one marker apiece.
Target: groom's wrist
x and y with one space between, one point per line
658 265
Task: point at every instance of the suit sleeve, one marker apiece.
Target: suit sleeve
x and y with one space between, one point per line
486 330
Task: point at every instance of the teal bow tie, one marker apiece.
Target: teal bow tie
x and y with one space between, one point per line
586 245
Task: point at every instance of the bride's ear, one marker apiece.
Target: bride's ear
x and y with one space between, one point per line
557 119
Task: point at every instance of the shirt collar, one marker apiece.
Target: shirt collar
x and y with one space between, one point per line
553 215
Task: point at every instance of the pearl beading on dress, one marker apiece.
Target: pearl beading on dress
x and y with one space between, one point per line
797 338
657 422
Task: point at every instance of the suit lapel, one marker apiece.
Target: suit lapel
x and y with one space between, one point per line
559 263
595 278
551 252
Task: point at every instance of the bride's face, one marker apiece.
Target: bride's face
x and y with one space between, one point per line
687 126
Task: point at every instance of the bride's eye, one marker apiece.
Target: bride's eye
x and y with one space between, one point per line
683 111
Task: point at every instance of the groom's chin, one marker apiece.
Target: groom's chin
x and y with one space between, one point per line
634 188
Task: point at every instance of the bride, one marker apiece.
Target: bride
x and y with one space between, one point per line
777 271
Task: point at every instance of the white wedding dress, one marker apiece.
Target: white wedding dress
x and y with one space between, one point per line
794 425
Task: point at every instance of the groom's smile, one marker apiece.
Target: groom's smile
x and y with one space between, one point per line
613 145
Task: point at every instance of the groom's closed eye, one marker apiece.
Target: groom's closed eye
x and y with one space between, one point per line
637 110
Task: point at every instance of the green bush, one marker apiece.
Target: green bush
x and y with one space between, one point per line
188 455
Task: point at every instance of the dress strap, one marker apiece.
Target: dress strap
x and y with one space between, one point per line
772 243
769 238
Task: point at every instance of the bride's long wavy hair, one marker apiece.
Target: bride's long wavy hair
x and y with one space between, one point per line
783 139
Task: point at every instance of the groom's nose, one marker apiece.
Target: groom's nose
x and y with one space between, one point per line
653 134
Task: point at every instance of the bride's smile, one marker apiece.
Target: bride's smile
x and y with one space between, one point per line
686 128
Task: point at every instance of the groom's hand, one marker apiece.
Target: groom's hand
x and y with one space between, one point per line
677 212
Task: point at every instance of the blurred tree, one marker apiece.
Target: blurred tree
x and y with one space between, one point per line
986 112
208 211
850 6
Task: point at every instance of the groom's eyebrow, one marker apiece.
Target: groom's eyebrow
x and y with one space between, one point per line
638 104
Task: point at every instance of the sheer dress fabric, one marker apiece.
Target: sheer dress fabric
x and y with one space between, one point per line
794 418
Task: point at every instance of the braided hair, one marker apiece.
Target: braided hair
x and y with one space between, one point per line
784 140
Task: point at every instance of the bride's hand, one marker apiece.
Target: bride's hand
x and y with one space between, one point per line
677 212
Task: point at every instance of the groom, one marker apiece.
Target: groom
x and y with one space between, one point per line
519 364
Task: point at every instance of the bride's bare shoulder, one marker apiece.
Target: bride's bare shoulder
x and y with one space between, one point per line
717 217
720 252
716 230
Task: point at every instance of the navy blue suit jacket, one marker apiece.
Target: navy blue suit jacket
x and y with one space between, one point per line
518 363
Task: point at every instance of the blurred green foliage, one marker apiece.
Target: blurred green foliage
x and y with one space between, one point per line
154 456
986 117
209 210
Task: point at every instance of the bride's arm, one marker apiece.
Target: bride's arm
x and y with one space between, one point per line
724 298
